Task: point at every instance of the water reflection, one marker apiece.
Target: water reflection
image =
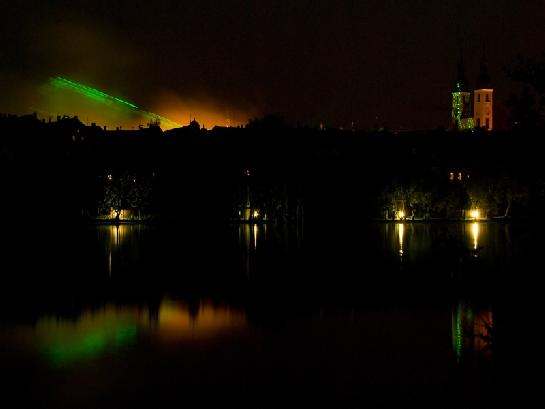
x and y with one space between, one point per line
116 236
249 238
64 340
255 231
95 332
249 235
475 234
472 330
450 246
120 243
178 320
359 340
401 236
251 248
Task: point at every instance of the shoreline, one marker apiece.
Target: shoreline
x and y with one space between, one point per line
156 220
438 220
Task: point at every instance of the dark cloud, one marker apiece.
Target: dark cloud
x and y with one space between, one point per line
312 61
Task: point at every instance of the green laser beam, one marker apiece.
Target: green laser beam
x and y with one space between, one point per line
106 99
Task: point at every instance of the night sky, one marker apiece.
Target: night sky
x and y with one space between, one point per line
388 63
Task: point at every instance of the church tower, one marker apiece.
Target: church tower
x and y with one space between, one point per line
483 116
462 117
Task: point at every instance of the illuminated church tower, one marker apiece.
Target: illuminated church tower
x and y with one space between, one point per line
462 115
482 100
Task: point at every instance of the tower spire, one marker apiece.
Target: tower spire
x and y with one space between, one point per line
461 81
483 80
483 112
461 101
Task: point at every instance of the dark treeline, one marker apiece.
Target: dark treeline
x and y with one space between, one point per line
63 170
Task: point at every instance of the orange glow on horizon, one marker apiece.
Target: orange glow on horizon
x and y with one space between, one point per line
207 113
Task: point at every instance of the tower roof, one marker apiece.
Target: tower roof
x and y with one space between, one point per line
483 80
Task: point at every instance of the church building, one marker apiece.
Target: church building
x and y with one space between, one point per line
472 109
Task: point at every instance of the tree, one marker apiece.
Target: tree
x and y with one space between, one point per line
419 201
413 199
528 108
127 191
454 202
481 195
138 193
508 192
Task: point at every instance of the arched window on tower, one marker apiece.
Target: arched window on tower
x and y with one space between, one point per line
487 97
478 97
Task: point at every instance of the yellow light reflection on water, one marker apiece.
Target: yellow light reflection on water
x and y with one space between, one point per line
475 235
117 235
401 235
255 230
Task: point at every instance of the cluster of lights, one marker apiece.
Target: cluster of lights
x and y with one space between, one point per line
457 106
458 101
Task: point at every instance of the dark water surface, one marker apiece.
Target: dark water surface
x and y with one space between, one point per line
370 315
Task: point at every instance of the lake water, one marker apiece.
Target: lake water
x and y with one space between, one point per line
368 315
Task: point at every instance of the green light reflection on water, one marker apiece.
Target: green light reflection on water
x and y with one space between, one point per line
62 351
